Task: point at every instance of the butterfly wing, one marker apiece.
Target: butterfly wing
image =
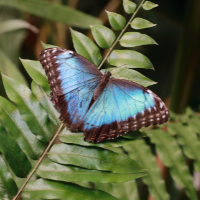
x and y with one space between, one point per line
123 106
72 79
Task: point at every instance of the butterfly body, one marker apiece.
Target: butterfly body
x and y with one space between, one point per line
103 82
101 106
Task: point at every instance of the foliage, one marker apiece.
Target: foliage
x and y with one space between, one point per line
74 169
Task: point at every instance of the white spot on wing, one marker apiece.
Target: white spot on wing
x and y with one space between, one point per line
155 108
158 119
149 91
163 116
161 104
68 52
44 55
54 51
55 57
149 109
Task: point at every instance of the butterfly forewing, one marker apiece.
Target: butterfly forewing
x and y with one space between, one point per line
73 80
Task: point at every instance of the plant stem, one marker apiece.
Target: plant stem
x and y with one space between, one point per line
39 161
120 35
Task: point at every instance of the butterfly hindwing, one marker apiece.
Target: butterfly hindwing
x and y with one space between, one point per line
72 79
123 106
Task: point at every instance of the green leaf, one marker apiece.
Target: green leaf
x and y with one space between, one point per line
129 59
129 6
93 158
8 187
142 153
53 11
134 39
15 24
85 47
30 109
37 73
77 138
148 5
139 23
8 68
103 36
131 75
47 46
18 129
189 140
45 101
194 124
60 190
123 191
116 21
172 157
54 171
14 156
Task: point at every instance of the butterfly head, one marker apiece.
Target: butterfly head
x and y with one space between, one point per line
107 74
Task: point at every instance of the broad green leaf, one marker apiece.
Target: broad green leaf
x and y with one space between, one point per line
8 187
54 171
8 68
148 5
18 129
77 138
142 153
170 154
42 97
53 11
129 6
15 24
85 47
129 59
189 140
14 156
46 46
116 21
131 75
123 191
139 23
47 189
93 158
103 36
31 111
37 73
134 39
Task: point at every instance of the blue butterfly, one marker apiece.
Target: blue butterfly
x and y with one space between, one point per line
101 106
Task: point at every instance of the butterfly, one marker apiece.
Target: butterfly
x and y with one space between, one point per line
97 104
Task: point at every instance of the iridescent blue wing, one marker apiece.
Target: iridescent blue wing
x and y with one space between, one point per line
72 79
123 106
